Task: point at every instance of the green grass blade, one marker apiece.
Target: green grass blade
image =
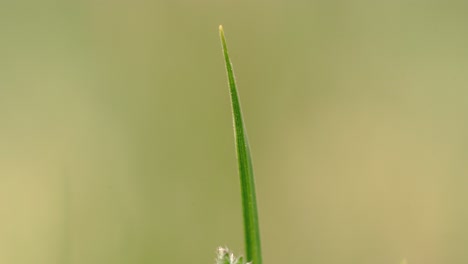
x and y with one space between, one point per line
249 200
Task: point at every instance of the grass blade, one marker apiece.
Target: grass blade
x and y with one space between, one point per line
249 200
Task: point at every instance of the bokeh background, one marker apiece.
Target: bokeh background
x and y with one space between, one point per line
116 141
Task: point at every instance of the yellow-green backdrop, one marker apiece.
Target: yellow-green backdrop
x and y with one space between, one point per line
116 141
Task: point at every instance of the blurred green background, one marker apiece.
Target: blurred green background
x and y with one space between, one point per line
116 141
